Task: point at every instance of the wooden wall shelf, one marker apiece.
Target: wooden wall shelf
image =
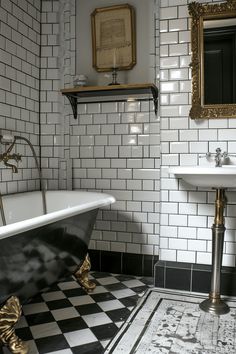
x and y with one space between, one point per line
84 94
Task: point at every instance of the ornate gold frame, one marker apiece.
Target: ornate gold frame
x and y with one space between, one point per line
199 12
129 20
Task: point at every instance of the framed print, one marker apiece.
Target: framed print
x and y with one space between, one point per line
113 38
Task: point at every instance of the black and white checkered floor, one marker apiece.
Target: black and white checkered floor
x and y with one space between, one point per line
67 319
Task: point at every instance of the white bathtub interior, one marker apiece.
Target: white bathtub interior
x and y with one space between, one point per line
25 210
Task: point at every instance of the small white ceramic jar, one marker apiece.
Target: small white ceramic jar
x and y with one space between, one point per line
80 80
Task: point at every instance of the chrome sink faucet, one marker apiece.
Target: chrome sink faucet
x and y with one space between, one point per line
220 157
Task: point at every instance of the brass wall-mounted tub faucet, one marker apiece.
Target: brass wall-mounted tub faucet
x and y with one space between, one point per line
6 156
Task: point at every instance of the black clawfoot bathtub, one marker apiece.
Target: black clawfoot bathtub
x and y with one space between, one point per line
38 250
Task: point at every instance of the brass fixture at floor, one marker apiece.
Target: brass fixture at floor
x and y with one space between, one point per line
214 304
10 314
82 275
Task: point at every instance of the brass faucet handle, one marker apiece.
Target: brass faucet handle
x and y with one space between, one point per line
16 157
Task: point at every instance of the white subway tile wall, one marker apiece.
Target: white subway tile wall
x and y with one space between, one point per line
113 147
111 152
187 214
19 89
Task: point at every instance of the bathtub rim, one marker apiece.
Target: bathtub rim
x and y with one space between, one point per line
42 220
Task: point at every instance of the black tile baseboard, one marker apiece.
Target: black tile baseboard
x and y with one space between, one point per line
123 263
192 277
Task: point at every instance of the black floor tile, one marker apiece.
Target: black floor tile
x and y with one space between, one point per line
101 274
102 297
74 292
88 309
105 332
91 348
118 315
72 324
35 299
148 281
24 333
130 300
58 304
39 318
52 343
139 289
116 286
124 277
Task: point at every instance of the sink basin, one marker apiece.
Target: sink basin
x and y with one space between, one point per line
208 177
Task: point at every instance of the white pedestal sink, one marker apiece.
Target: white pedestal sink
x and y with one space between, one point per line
219 178
207 177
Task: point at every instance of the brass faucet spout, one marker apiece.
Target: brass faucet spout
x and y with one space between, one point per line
13 167
6 157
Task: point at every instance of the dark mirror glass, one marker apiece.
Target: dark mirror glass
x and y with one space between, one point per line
219 61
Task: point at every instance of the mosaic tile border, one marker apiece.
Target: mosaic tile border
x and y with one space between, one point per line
172 322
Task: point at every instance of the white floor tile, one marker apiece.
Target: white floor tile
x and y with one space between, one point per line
80 337
123 293
42 330
81 300
99 289
108 280
132 283
63 314
67 285
35 308
54 295
96 319
110 305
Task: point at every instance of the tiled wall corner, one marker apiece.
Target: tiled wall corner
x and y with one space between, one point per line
187 214
19 89
57 72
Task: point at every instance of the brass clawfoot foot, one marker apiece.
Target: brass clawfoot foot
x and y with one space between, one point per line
82 275
9 315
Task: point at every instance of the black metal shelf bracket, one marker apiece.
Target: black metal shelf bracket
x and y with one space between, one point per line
155 98
73 101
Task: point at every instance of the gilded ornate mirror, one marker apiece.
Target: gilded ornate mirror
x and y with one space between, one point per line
213 39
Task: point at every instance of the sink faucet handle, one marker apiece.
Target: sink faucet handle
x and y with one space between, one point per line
225 155
208 154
